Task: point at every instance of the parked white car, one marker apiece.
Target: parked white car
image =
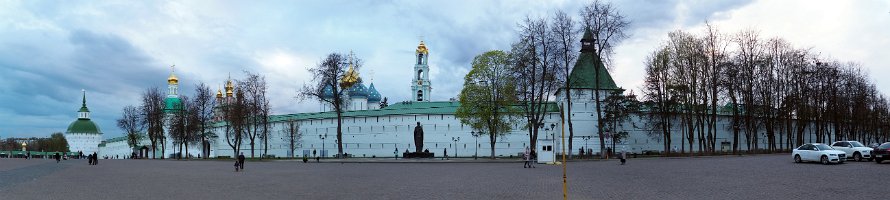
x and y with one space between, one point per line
856 150
818 152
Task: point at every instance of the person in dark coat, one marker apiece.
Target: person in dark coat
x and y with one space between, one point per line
237 164
95 159
90 159
57 157
241 160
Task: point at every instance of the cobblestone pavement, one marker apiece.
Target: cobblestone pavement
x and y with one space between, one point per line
731 177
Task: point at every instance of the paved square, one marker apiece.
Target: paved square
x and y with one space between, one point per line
732 177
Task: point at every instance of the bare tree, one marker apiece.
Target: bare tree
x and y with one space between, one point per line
255 88
153 117
331 82
234 110
131 123
658 95
564 36
607 26
534 70
180 126
204 106
293 135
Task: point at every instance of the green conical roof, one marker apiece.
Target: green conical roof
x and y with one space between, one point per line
83 126
583 75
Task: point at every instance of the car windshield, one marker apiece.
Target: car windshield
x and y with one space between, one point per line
857 144
823 147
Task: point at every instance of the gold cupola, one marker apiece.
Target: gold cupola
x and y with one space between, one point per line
230 88
218 93
422 48
351 77
172 80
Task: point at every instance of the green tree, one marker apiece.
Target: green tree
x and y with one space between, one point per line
488 97
58 143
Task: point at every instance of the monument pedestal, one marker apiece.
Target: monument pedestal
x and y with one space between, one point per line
418 155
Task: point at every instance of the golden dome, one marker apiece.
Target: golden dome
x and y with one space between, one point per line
350 78
172 80
219 93
229 88
422 48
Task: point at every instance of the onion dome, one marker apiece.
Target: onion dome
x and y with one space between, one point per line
422 48
230 88
172 80
373 95
350 78
219 94
358 90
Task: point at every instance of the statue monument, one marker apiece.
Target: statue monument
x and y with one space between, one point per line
418 145
418 138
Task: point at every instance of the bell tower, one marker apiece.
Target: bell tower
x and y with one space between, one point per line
420 85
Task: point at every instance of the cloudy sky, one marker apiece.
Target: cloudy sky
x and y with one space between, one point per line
50 50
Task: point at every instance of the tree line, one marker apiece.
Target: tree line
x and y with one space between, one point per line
770 89
243 111
55 143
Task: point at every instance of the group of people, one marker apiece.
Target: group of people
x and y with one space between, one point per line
529 157
93 159
239 163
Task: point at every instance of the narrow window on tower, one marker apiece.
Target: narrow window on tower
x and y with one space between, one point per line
420 95
420 59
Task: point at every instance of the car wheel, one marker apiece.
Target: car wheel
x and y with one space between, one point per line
797 158
825 160
857 157
878 160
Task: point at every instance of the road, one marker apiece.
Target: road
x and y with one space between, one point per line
729 177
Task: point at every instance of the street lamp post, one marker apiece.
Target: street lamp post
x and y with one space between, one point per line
322 137
455 145
586 138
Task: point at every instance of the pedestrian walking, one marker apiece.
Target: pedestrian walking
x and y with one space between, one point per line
236 165
446 153
623 157
95 158
241 161
534 158
57 157
90 159
526 156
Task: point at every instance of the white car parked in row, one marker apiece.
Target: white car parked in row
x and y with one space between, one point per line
818 152
854 149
